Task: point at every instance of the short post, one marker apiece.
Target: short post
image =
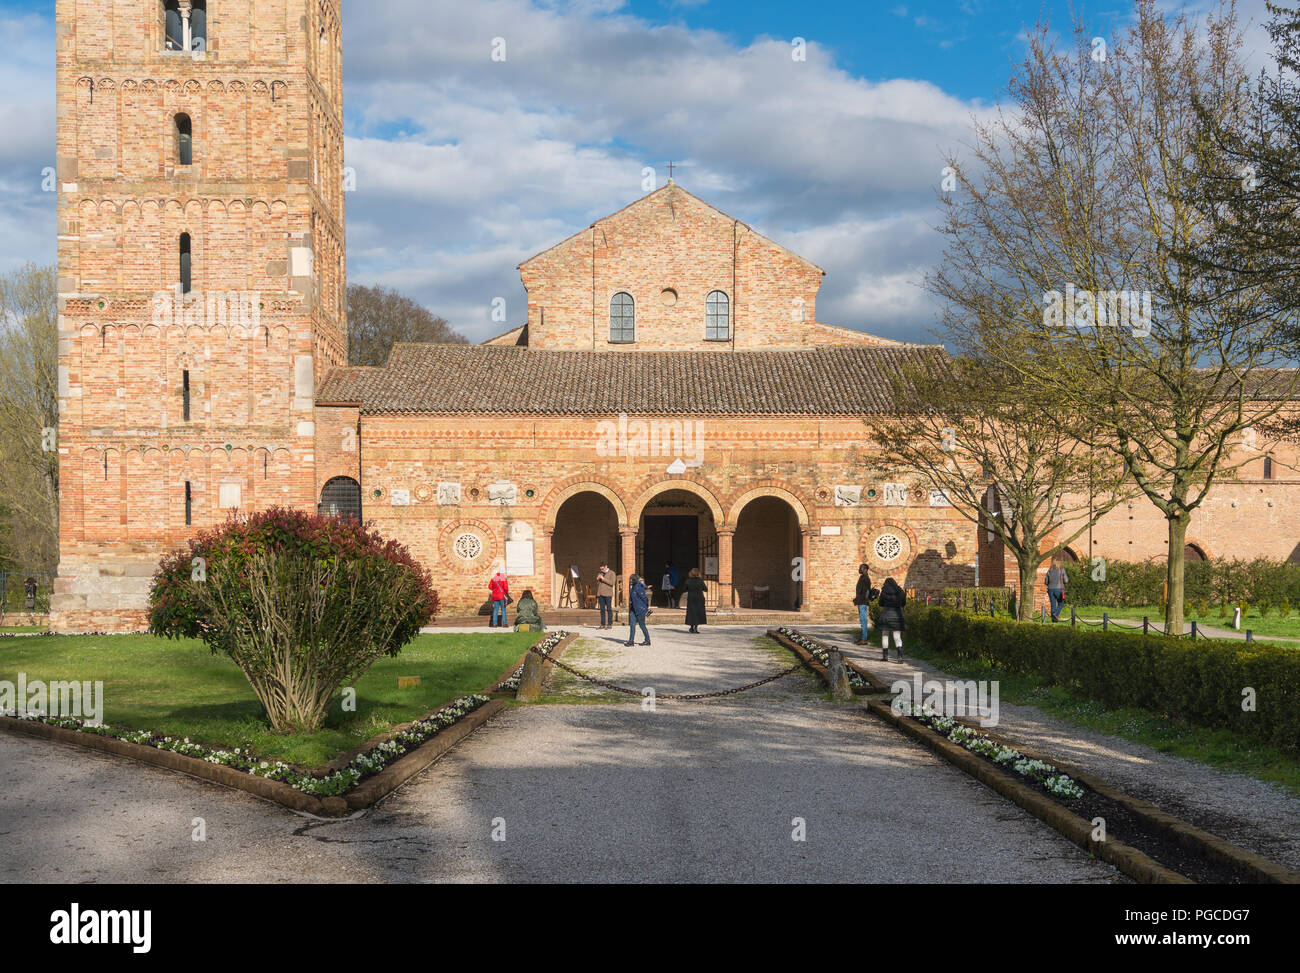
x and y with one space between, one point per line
1105 622
837 674
1042 614
1236 618
1074 621
1146 625
530 682
1250 635
1193 630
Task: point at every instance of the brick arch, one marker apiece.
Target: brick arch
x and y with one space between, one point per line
572 487
662 486
796 502
1200 546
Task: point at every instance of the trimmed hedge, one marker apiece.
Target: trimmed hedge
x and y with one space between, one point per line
1200 681
1133 583
1003 600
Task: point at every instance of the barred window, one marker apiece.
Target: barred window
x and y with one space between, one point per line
717 317
185 263
341 497
622 319
184 140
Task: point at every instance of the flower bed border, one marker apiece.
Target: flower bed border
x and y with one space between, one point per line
362 795
874 685
516 669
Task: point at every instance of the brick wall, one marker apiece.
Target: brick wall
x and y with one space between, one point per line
669 250
262 206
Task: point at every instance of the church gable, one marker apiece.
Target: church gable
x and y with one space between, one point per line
671 272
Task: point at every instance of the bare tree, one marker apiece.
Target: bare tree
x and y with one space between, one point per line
29 416
978 433
1077 205
379 317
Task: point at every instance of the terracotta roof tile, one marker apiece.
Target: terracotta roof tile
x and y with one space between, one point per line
494 379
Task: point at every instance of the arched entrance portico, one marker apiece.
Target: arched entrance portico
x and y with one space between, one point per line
678 526
768 556
585 535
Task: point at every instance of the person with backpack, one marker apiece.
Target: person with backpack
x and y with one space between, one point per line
863 597
892 600
638 606
1057 579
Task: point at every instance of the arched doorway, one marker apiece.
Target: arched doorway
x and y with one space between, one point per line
763 556
586 536
341 497
1193 553
677 526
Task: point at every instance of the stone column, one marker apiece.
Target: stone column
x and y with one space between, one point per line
547 571
725 595
805 547
628 537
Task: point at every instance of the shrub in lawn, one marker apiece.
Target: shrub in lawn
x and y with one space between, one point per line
1265 606
1202 608
303 604
1284 608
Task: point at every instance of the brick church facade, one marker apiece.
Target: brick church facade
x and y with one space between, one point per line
671 395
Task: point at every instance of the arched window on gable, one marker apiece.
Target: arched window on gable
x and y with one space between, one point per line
622 319
185 263
717 317
184 140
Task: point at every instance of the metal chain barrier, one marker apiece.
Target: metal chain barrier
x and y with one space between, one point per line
614 687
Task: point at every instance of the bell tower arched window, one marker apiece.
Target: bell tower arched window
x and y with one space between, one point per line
184 140
185 263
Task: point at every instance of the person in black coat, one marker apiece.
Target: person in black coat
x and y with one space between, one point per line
695 614
892 600
862 597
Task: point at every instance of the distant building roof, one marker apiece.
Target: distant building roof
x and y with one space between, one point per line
495 379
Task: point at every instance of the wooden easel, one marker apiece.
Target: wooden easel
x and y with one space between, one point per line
568 596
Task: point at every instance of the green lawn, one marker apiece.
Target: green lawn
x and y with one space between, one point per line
1218 748
1273 625
5 629
180 689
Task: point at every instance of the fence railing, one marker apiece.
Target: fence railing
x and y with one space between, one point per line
14 593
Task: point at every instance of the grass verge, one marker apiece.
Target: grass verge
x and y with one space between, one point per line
180 689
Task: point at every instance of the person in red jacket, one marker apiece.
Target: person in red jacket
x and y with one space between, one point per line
499 589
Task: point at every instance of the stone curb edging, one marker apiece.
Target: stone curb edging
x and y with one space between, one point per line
271 790
874 685
366 793
1135 864
561 647
1186 834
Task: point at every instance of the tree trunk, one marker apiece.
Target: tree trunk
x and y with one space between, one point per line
1028 564
1174 574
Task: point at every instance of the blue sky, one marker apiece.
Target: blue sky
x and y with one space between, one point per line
465 166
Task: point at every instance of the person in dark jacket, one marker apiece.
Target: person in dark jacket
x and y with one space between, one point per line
695 614
863 598
526 613
892 600
638 605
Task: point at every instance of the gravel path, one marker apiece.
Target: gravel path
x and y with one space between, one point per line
1259 816
598 792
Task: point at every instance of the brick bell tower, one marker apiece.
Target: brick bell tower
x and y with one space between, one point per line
201 276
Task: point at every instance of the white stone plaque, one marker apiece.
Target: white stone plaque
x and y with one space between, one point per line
400 498
894 494
449 494
519 558
502 493
848 496
939 499
228 496
831 531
